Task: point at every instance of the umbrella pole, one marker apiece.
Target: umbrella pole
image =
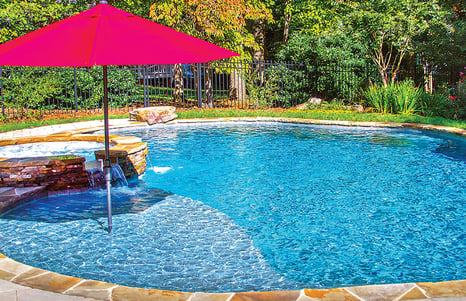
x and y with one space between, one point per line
107 163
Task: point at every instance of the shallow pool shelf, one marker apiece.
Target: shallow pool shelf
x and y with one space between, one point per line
64 172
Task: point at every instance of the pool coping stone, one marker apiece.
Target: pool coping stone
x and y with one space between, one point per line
48 285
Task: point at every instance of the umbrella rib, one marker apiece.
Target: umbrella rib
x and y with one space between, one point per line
92 60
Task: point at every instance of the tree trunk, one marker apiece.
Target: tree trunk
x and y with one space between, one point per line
286 24
208 87
428 77
179 87
412 66
237 90
259 36
196 84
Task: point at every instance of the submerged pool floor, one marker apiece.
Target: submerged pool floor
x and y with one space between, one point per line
263 207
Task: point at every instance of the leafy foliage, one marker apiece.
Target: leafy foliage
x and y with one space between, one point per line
405 98
388 28
222 22
436 104
21 17
314 17
458 96
30 90
394 98
336 64
37 89
262 92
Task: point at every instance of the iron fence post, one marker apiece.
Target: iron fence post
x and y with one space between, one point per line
1 90
75 91
199 87
144 84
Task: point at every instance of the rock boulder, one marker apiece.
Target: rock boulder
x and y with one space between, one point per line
152 115
313 101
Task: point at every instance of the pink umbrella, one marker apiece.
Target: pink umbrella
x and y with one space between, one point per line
101 36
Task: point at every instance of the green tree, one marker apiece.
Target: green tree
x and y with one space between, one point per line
336 63
315 17
388 28
21 17
139 8
220 22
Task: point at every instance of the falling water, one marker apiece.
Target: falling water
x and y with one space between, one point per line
97 178
118 176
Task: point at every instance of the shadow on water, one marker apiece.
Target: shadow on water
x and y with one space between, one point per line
453 148
91 204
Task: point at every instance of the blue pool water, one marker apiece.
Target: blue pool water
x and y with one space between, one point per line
234 207
79 148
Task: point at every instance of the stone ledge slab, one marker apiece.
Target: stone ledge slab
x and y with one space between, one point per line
330 294
48 281
125 293
445 289
92 289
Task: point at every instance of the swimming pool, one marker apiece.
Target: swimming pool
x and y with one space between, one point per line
236 207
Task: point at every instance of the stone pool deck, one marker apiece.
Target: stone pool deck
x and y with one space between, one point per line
22 282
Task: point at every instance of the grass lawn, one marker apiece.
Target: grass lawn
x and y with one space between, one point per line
218 113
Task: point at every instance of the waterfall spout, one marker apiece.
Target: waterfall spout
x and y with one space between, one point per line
118 176
97 178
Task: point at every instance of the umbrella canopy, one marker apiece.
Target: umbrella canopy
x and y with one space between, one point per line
104 35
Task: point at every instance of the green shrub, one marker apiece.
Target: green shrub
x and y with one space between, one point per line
262 92
336 65
406 98
30 91
282 85
458 97
434 105
379 97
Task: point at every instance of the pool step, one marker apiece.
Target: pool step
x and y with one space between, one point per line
11 196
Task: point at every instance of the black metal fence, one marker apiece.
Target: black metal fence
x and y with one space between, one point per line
27 91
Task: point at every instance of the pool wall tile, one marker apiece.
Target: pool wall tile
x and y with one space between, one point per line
127 293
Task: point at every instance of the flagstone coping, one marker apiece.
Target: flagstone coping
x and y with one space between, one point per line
28 276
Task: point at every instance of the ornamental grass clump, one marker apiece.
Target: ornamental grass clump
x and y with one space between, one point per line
394 98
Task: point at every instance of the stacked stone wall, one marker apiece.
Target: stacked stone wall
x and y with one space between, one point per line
130 157
55 173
